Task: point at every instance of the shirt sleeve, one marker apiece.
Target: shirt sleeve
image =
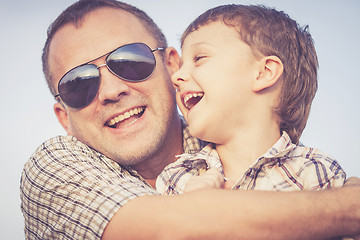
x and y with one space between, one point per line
321 171
69 191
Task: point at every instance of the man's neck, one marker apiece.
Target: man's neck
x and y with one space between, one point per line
172 146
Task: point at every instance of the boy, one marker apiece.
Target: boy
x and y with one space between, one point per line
247 77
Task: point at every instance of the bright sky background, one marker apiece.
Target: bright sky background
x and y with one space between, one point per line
27 117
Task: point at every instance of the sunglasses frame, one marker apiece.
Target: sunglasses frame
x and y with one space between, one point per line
106 64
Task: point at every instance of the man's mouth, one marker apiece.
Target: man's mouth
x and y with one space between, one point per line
126 117
191 99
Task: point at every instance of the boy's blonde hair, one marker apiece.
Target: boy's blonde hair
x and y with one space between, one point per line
273 33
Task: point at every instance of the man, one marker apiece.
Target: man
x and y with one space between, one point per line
109 67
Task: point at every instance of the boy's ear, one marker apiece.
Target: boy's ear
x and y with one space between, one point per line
62 116
172 60
270 72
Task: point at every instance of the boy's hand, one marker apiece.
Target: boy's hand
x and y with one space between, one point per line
212 178
352 181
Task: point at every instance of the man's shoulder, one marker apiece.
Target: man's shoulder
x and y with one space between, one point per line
65 172
59 152
60 147
61 143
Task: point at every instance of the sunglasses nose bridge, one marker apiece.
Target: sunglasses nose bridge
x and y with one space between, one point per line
102 65
107 67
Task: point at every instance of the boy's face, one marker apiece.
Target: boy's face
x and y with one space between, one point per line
214 82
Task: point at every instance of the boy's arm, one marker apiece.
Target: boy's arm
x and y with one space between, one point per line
222 214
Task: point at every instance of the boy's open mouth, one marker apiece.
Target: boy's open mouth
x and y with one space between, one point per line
126 117
191 99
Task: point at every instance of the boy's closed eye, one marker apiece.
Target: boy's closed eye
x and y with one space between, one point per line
198 58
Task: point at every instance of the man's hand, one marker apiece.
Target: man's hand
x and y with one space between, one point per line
352 182
212 178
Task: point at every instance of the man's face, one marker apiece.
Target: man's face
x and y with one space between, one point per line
135 138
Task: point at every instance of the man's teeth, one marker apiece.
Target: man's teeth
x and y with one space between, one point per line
125 115
190 96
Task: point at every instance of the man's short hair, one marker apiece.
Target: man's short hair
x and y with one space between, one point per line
76 12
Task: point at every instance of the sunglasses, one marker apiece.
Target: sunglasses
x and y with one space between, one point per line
133 62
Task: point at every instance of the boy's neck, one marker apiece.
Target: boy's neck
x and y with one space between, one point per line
246 146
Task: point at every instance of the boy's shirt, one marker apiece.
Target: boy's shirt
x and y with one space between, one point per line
284 167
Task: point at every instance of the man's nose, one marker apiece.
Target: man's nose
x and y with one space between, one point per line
112 88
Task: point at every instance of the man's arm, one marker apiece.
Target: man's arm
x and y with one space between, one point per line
222 214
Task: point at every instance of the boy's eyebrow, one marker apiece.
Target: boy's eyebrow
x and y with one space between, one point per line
201 43
192 46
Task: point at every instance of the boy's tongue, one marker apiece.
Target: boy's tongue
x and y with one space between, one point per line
192 102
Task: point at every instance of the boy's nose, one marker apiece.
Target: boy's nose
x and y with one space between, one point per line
112 88
178 77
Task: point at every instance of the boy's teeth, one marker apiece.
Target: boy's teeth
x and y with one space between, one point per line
125 115
190 96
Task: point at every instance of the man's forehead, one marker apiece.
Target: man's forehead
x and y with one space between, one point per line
99 32
104 28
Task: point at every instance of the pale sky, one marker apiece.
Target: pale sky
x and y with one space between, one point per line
28 119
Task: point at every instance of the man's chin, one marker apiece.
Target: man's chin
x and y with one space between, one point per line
139 154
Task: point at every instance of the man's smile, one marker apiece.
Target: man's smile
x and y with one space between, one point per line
126 117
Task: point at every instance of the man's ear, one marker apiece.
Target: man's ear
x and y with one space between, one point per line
270 72
62 116
172 60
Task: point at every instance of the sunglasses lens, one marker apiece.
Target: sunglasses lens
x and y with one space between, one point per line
133 62
79 87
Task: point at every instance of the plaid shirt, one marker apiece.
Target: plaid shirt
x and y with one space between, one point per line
284 167
70 191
